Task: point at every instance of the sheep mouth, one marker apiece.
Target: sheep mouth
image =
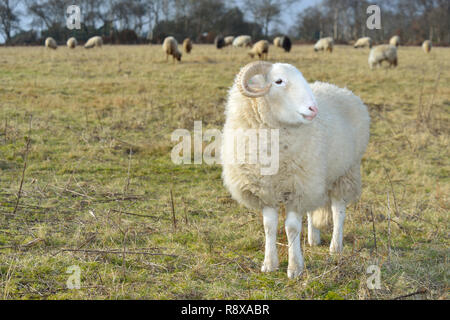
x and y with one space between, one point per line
308 117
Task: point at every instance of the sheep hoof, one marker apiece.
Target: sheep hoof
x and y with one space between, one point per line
269 266
294 273
314 238
314 241
335 248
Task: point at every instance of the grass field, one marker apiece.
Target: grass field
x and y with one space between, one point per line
70 119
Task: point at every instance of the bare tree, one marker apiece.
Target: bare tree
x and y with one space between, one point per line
48 13
265 12
9 18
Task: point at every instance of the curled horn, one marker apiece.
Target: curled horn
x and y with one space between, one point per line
249 71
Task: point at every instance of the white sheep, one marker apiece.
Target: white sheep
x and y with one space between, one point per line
170 47
325 44
384 52
242 41
96 41
261 49
277 42
51 43
426 46
228 40
395 41
322 131
363 42
71 43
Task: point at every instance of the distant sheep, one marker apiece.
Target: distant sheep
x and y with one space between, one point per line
228 40
384 52
286 43
219 42
325 44
277 42
51 43
170 47
71 43
395 41
187 45
261 49
242 41
426 46
94 42
363 42
283 42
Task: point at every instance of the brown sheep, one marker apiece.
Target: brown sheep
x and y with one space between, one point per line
187 45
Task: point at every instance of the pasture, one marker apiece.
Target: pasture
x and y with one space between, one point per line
86 179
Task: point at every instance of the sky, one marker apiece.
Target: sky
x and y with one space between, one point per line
287 17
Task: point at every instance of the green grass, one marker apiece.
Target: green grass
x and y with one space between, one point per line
83 190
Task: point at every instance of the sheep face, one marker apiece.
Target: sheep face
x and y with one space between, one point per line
177 55
285 89
290 95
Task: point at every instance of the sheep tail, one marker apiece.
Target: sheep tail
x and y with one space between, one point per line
322 217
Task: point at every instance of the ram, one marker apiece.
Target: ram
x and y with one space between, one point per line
322 134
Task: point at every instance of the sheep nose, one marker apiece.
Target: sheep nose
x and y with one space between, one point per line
314 110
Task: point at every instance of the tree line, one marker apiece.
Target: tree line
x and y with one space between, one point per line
344 20
143 21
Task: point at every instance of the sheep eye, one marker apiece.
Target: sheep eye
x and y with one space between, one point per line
279 81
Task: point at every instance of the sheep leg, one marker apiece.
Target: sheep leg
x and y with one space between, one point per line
293 226
270 220
313 233
338 210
